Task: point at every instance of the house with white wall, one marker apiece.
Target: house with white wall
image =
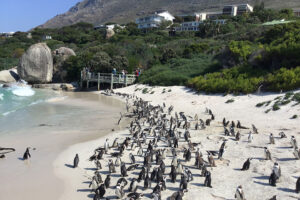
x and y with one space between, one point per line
154 20
234 10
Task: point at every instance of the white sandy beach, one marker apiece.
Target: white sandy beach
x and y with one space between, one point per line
227 175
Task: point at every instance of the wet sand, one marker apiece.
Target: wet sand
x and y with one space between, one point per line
50 127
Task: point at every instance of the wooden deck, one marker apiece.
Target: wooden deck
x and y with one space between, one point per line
110 78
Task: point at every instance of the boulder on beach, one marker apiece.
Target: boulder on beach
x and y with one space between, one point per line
36 65
60 56
9 76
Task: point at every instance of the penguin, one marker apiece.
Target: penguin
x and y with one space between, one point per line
100 154
123 170
272 140
106 146
296 153
132 167
76 161
115 143
267 154
239 194
273 198
101 191
162 166
276 169
282 135
135 195
140 151
177 195
122 182
238 136
159 175
98 164
154 174
133 185
246 165
111 166
119 191
179 168
183 183
26 154
298 185
207 181
173 174
211 160
147 182
272 179
250 137
98 177
107 181
294 142
174 161
94 184
118 161
142 174
188 155
132 159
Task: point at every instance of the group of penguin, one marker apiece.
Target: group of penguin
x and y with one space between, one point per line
156 124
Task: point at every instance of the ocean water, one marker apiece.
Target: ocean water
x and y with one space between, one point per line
16 98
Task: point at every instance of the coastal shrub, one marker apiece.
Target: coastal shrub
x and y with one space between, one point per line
145 91
275 107
294 117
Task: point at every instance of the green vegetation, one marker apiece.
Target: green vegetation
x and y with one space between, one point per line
241 56
294 117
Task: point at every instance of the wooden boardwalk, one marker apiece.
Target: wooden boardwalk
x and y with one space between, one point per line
110 78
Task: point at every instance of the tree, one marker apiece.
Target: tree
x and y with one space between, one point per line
101 62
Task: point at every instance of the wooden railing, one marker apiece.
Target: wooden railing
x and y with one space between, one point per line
126 79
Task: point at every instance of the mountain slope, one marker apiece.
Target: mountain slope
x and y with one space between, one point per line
123 11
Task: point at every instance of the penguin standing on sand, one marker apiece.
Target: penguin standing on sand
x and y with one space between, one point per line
267 154
272 179
250 137
239 194
132 159
106 146
26 154
246 165
76 161
173 174
183 183
207 181
123 170
272 140
101 191
111 166
133 185
107 181
147 182
119 191
298 185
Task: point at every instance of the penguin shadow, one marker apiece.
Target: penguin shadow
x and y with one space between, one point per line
68 165
112 197
285 159
84 190
91 168
22 159
286 190
261 177
261 183
238 169
198 184
258 158
173 188
116 175
91 196
105 172
86 182
284 147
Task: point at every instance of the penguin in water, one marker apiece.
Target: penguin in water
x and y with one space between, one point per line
207 181
246 165
298 185
26 155
76 161
133 185
123 170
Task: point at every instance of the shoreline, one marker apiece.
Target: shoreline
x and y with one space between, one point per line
243 108
39 171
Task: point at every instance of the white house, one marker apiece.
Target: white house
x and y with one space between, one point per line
108 27
154 21
235 10
207 15
194 26
7 34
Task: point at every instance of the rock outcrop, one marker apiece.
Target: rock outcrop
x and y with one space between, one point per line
36 65
9 76
60 56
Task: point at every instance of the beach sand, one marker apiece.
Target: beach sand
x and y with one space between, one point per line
227 175
51 128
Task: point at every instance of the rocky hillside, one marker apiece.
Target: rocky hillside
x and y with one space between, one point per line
122 11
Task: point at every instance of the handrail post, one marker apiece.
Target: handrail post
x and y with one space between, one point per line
112 81
125 80
81 79
98 81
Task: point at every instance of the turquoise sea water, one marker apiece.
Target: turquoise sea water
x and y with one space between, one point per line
15 98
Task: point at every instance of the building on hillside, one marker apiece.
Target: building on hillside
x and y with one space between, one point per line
234 10
154 20
297 12
108 27
7 34
47 37
194 26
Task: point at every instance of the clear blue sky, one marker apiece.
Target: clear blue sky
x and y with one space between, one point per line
22 15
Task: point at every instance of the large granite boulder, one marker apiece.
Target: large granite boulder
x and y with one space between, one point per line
36 65
109 33
60 56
